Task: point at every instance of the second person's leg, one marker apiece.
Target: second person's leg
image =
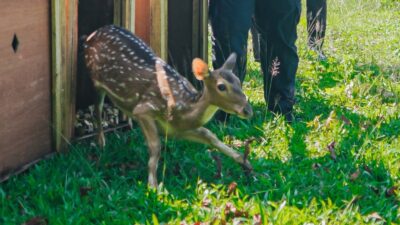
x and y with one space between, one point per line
277 22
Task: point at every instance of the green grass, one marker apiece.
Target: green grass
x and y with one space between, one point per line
352 99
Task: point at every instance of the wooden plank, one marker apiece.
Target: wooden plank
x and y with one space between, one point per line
117 12
128 17
159 27
25 112
195 28
64 50
142 20
204 30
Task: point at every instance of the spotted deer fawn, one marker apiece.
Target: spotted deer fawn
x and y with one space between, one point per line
148 90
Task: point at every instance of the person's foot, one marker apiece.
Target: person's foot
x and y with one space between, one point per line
320 54
285 109
289 117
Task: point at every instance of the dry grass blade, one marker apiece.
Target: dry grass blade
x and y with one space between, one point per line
345 120
331 148
354 176
232 187
375 216
391 191
84 191
36 221
247 147
246 153
218 162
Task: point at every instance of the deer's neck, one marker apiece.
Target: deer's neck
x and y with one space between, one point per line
202 110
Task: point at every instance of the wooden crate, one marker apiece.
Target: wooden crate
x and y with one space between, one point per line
38 67
25 112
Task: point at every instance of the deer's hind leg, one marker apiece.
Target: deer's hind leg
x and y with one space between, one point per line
99 117
204 136
150 132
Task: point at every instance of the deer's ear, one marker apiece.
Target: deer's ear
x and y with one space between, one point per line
200 69
230 63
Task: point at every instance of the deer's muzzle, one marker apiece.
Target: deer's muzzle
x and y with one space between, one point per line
246 112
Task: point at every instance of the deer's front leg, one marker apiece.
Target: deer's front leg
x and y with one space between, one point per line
149 129
204 136
99 114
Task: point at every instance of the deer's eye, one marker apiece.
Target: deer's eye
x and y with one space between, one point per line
221 87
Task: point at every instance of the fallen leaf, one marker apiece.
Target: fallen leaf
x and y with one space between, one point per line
391 191
247 143
36 221
257 219
365 125
229 209
366 168
345 120
331 148
84 191
354 176
206 202
316 166
375 216
222 222
236 143
232 187
217 159
239 213
247 147
327 170
331 118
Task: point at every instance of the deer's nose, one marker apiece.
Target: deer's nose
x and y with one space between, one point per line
247 111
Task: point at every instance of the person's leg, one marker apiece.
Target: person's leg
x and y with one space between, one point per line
316 23
277 22
230 23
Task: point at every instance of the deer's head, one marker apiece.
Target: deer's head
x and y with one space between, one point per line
223 87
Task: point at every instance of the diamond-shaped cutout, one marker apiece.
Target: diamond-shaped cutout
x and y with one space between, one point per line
15 43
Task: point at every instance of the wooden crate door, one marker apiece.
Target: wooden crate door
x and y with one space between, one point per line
25 108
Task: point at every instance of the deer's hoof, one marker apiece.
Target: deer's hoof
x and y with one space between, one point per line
152 182
247 166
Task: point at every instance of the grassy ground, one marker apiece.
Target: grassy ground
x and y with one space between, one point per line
350 103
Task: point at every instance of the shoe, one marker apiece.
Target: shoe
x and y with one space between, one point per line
320 54
289 117
287 112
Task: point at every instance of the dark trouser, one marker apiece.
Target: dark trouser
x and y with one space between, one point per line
230 23
316 23
277 22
